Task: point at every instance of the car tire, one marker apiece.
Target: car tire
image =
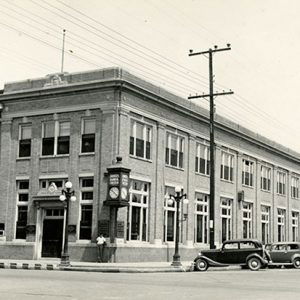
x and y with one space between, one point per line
254 264
296 263
201 265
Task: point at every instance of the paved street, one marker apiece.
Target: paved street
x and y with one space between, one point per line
222 284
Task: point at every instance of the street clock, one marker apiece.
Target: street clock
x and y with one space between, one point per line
118 184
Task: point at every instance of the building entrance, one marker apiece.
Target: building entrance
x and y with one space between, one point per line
52 235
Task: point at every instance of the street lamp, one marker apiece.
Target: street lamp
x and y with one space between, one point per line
177 198
66 196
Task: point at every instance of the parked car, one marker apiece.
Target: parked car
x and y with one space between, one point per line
244 252
285 254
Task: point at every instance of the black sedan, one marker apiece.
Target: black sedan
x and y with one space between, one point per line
244 252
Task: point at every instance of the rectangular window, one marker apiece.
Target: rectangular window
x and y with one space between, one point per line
201 234
202 159
281 224
88 136
227 166
226 215
265 224
281 181
295 187
137 212
56 138
174 150
86 208
265 178
140 140
25 141
22 208
248 171
247 220
52 184
295 226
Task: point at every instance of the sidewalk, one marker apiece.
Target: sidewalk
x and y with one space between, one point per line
140 267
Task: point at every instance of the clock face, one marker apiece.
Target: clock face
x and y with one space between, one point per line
123 193
114 192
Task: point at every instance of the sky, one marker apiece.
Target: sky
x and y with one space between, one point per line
152 38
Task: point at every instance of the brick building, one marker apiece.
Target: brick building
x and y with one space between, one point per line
72 126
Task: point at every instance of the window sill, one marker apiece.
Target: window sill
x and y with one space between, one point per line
227 181
173 167
248 186
140 158
282 195
24 158
265 191
201 174
54 156
294 198
87 154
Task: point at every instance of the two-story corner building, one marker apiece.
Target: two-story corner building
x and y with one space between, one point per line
72 126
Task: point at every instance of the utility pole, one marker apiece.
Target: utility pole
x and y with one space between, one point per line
211 96
63 52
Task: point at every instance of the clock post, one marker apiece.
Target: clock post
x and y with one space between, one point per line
117 193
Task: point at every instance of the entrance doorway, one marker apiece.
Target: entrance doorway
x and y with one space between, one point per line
52 238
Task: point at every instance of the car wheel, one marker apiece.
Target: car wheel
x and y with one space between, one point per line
254 264
201 265
296 263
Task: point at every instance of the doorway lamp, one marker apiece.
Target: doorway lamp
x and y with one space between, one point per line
179 195
67 195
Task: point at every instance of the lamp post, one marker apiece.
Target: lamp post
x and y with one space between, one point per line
177 198
66 196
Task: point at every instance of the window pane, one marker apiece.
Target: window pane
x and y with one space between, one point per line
25 132
139 147
139 131
48 146
88 143
24 148
87 182
63 144
89 126
64 129
48 129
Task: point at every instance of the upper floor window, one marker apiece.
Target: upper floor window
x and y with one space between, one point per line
174 150
140 140
248 170
88 135
52 184
56 138
265 178
295 187
25 140
227 166
281 181
202 159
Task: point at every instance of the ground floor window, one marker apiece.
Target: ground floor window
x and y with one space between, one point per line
281 224
201 218
265 224
170 215
86 208
137 213
226 217
247 219
22 208
295 224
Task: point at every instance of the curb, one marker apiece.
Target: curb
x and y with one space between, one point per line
112 269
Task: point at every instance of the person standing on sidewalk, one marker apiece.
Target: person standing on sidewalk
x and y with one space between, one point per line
101 243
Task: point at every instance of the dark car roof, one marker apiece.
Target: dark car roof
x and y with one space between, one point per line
286 243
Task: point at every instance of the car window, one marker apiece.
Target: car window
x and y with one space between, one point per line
293 247
247 245
278 247
231 246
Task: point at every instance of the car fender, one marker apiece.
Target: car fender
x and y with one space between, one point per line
295 256
210 261
263 261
